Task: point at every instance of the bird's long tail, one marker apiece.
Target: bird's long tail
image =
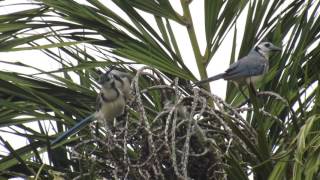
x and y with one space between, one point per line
213 78
74 129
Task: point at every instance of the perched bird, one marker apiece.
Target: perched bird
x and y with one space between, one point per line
111 100
248 69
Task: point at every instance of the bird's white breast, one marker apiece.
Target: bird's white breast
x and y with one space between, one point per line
112 109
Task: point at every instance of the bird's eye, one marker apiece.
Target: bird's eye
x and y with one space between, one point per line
267 45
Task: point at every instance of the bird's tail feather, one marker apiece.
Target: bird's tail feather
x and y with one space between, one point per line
74 129
213 78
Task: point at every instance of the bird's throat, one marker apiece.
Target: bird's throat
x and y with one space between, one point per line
262 53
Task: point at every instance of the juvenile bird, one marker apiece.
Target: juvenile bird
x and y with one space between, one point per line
111 100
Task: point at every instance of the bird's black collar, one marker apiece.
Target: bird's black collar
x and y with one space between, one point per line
257 49
118 78
105 99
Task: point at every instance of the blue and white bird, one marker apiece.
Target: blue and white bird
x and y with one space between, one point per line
250 68
111 101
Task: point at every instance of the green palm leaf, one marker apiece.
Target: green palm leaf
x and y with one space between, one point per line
275 138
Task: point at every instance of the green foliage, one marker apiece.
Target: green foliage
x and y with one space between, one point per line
277 139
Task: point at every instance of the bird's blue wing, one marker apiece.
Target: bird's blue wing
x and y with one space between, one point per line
246 67
74 129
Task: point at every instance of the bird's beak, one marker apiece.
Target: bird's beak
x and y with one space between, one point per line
275 48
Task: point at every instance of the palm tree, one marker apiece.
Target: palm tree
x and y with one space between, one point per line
170 130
